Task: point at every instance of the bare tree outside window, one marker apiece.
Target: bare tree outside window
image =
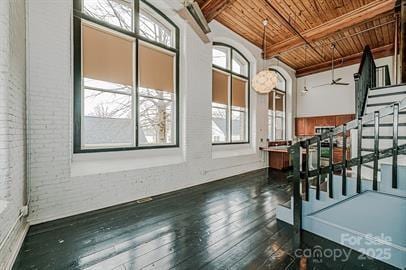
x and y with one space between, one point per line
156 109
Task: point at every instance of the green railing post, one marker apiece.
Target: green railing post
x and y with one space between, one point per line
294 151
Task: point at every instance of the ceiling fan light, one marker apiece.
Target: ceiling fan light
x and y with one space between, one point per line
264 81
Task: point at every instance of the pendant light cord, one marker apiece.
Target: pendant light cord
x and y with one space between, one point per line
265 23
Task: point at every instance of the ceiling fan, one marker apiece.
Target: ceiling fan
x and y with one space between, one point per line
333 81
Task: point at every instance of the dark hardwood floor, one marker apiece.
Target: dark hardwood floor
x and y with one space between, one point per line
224 224
227 224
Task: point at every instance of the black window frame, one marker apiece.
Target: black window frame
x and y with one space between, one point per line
284 95
231 73
78 16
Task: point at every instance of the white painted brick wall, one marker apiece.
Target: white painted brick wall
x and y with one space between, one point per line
12 119
55 193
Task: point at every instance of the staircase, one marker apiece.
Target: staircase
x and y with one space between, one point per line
377 99
364 205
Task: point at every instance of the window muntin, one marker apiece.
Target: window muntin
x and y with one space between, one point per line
277 110
127 87
281 83
152 28
115 12
221 57
239 64
230 96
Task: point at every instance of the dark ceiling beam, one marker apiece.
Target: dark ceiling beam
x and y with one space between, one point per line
291 28
345 21
212 8
353 59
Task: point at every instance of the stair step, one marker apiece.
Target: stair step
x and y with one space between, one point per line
383 104
370 167
384 137
384 125
388 86
387 94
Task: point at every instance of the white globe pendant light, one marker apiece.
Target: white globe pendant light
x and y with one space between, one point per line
264 81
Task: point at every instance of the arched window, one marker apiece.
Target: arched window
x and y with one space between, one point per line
230 96
277 110
126 60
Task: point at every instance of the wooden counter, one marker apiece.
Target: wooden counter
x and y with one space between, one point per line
278 158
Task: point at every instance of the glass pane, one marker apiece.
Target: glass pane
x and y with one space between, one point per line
108 78
239 98
219 123
279 102
107 119
97 84
154 27
279 116
156 68
279 128
221 57
281 83
107 57
238 126
157 116
240 65
270 125
115 12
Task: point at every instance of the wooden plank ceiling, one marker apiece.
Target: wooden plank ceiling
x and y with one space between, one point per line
300 33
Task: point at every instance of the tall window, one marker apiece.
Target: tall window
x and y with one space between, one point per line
126 76
230 96
277 110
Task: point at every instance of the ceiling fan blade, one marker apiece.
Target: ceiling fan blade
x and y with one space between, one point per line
338 79
341 83
316 86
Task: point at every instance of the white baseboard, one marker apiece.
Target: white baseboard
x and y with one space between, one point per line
15 246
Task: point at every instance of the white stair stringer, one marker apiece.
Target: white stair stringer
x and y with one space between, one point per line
370 223
313 222
379 98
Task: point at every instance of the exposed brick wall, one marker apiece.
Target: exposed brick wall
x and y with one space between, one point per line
12 121
55 193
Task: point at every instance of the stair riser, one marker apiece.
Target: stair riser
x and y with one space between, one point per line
389 119
383 131
373 109
383 144
395 89
382 99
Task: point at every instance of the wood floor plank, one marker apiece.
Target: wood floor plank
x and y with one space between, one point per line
227 224
152 227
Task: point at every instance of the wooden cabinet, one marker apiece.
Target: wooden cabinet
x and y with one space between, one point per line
305 125
300 127
325 121
342 119
310 123
278 159
338 154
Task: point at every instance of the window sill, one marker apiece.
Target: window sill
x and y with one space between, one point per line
232 150
110 162
3 205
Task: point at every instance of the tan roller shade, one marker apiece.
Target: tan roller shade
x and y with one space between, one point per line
156 69
239 92
107 57
279 102
220 87
270 100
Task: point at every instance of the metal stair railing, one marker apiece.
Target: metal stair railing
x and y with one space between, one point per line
365 79
301 178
